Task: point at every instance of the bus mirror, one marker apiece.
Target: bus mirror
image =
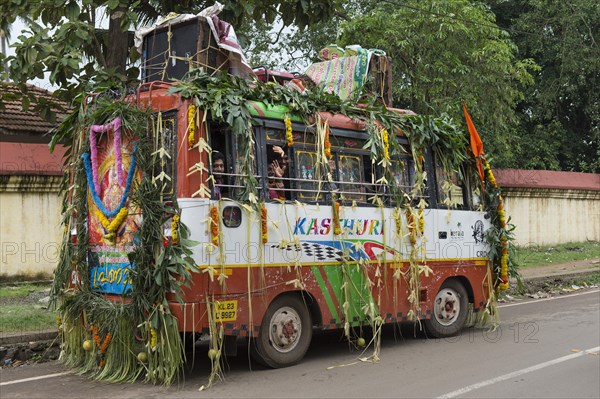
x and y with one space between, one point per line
232 216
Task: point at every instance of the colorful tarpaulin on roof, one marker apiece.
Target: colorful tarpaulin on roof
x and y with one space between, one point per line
343 71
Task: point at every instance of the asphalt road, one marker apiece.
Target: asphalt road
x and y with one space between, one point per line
546 348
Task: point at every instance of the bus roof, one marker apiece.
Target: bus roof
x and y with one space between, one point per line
340 121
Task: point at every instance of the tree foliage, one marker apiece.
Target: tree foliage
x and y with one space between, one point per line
293 48
447 52
289 48
63 38
560 114
532 85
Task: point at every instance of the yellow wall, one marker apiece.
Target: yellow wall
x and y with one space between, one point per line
30 231
552 216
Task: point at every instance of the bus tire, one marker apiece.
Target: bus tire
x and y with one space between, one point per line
449 312
285 333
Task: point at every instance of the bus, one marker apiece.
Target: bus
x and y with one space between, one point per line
324 243
213 208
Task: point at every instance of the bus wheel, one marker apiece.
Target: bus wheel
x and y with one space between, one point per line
285 333
450 308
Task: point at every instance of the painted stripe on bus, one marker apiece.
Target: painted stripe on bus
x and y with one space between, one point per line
448 262
333 309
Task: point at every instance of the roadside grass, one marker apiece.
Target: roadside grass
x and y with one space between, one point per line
20 291
21 318
542 255
592 279
20 309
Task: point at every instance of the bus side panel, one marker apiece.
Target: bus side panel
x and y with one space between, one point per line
188 184
191 314
157 98
302 254
266 282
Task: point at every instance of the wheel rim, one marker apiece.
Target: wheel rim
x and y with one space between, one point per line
447 306
285 329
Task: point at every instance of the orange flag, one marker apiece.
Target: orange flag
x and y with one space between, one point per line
476 143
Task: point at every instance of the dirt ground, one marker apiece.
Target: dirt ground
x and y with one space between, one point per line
556 279
579 266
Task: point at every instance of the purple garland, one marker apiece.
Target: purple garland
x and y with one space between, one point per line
116 128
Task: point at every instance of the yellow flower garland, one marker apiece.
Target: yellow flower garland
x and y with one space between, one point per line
214 225
412 226
386 144
263 224
336 218
174 229
288 131
421 221
112 227
153 339
502 217
327 143
192 125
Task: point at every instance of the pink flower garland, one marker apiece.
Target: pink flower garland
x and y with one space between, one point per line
115 126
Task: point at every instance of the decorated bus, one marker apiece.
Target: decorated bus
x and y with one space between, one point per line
235 208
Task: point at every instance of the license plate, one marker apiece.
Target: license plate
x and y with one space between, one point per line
225 311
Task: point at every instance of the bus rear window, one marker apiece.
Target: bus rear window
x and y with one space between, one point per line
449 188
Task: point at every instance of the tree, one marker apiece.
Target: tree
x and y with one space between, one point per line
560 113
64 39
287 48
446 52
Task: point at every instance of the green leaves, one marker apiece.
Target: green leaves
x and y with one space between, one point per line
72 10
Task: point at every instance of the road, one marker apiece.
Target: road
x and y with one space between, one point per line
547 348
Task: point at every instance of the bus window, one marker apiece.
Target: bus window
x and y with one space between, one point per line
221 161
275 135
449 188
220 189
351 177
239 149
308 173
403 171
473 186
400 178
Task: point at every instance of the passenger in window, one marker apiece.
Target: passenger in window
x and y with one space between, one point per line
218 168
276 170
276 187
280 161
